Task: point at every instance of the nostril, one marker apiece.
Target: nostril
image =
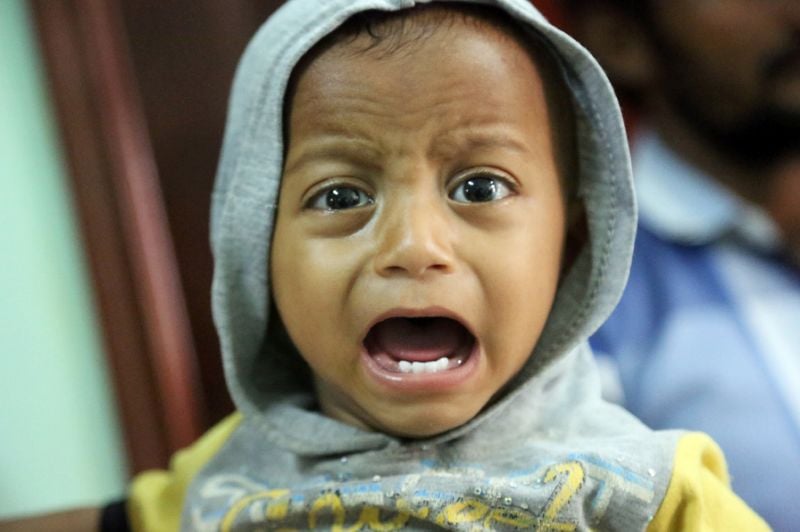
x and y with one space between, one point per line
413 258
411 269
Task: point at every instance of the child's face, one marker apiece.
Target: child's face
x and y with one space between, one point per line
422 184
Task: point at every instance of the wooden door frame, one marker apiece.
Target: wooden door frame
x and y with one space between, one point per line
115 186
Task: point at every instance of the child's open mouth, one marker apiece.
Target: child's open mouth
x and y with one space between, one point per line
419 345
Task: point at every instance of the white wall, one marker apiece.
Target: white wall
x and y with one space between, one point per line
59 440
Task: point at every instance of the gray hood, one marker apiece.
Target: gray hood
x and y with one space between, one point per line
551 413
246 193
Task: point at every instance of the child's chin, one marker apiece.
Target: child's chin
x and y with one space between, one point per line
423 425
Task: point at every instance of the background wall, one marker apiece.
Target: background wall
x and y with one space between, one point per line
59 441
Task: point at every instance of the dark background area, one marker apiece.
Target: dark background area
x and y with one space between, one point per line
184 54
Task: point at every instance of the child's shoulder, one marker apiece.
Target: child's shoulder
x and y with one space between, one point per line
699 496
156 497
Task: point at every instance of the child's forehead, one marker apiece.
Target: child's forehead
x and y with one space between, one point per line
362 56
430 75
372 40
375 42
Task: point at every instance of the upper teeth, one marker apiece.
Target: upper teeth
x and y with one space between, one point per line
424 367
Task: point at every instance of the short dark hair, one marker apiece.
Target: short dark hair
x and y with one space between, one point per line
637 7
391 31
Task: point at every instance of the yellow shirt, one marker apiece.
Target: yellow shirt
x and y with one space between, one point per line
698 498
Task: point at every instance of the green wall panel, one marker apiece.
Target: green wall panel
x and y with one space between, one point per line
59 440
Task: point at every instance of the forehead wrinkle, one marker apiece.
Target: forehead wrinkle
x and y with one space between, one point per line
328 99
475 137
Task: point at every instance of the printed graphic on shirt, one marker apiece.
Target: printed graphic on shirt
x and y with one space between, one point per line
552 497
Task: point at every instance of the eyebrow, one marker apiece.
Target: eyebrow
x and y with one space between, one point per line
338 146
474 138
345 146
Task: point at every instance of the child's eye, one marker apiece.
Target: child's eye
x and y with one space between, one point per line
480 187
339 197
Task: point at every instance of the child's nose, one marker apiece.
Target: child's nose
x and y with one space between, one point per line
415 239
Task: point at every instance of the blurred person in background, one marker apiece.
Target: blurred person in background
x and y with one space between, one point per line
707 335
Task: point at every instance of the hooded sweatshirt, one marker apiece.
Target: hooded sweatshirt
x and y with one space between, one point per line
549 454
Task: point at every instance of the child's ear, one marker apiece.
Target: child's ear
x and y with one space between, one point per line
577 234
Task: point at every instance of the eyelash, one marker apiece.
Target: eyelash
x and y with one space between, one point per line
322 196
507 186
502 185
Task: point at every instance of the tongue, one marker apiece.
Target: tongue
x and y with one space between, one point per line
418 339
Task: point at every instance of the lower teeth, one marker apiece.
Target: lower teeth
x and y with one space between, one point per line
424 367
